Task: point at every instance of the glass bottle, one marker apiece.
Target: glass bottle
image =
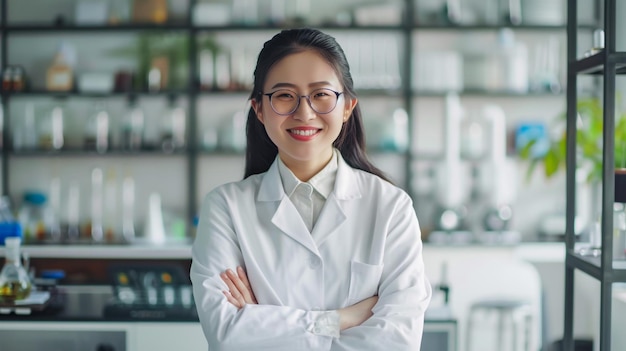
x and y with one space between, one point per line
173 127
128 209
7 79
132 127
18 79
97 205
37 218
23 136
51 128
97 136
14 281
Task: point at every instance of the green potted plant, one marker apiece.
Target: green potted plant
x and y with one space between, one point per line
171 48
589 147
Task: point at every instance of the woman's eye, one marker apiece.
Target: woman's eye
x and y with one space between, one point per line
321 94
284 96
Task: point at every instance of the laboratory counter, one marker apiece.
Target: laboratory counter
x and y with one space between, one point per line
95 318
89 303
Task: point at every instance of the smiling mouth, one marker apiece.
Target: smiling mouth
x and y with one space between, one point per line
304 132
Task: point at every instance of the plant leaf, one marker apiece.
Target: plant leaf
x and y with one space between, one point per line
551 163
531 169
525 152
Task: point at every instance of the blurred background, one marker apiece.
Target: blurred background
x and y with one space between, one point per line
118 116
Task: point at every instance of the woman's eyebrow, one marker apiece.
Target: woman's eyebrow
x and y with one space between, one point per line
290 85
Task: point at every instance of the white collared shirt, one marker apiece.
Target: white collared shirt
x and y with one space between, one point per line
309 197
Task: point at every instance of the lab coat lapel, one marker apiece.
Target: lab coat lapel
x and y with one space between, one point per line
330 219
334 211
285 215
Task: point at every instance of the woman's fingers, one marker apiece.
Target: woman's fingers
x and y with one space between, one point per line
239 290
244 279
243 290
231 299
233 291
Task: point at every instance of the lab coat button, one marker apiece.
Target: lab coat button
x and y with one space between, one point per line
317 330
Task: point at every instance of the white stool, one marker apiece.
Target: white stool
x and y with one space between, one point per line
509 313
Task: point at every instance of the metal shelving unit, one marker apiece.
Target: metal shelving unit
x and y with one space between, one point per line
186 28
406 29
607 64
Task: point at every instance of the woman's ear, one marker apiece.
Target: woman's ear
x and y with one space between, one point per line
349 107
256 106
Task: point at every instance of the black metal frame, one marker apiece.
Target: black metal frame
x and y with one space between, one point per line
607 63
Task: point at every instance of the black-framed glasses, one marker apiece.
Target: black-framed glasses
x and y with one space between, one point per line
285 102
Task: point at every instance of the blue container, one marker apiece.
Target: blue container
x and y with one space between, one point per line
9 229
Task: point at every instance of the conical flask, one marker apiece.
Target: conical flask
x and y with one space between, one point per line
14 281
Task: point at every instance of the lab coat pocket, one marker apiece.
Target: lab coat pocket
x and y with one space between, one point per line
364 280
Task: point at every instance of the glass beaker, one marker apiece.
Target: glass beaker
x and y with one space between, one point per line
14 281
594 248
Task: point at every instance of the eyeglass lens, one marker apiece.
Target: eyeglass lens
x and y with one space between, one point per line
286 102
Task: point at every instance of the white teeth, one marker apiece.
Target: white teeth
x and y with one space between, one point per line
307 132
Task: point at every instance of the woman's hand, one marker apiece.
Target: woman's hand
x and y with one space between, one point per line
356 314
239 293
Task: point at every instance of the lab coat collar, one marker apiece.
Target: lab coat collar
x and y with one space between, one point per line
289 221
346 185
323 182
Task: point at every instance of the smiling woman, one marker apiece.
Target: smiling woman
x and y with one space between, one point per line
315 249
303 133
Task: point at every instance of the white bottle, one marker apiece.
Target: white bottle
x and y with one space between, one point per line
128 209
97 135
512 62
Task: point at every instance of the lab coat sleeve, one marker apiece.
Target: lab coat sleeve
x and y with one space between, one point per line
404 292
254 327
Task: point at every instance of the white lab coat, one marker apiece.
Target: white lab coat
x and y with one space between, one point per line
365 242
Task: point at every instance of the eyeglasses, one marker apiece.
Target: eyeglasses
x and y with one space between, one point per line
285 102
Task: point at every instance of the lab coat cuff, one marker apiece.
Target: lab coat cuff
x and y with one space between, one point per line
326 323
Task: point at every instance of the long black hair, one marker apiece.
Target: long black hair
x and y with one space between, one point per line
260 150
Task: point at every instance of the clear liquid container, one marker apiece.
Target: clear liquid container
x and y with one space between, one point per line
173 128
51 128
14 281
23 136
132 127
97 136
37 218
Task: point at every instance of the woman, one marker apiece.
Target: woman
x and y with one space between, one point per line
327 252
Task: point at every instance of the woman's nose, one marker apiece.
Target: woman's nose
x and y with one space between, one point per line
304 111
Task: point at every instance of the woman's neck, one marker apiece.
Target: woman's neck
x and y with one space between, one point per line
305 170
